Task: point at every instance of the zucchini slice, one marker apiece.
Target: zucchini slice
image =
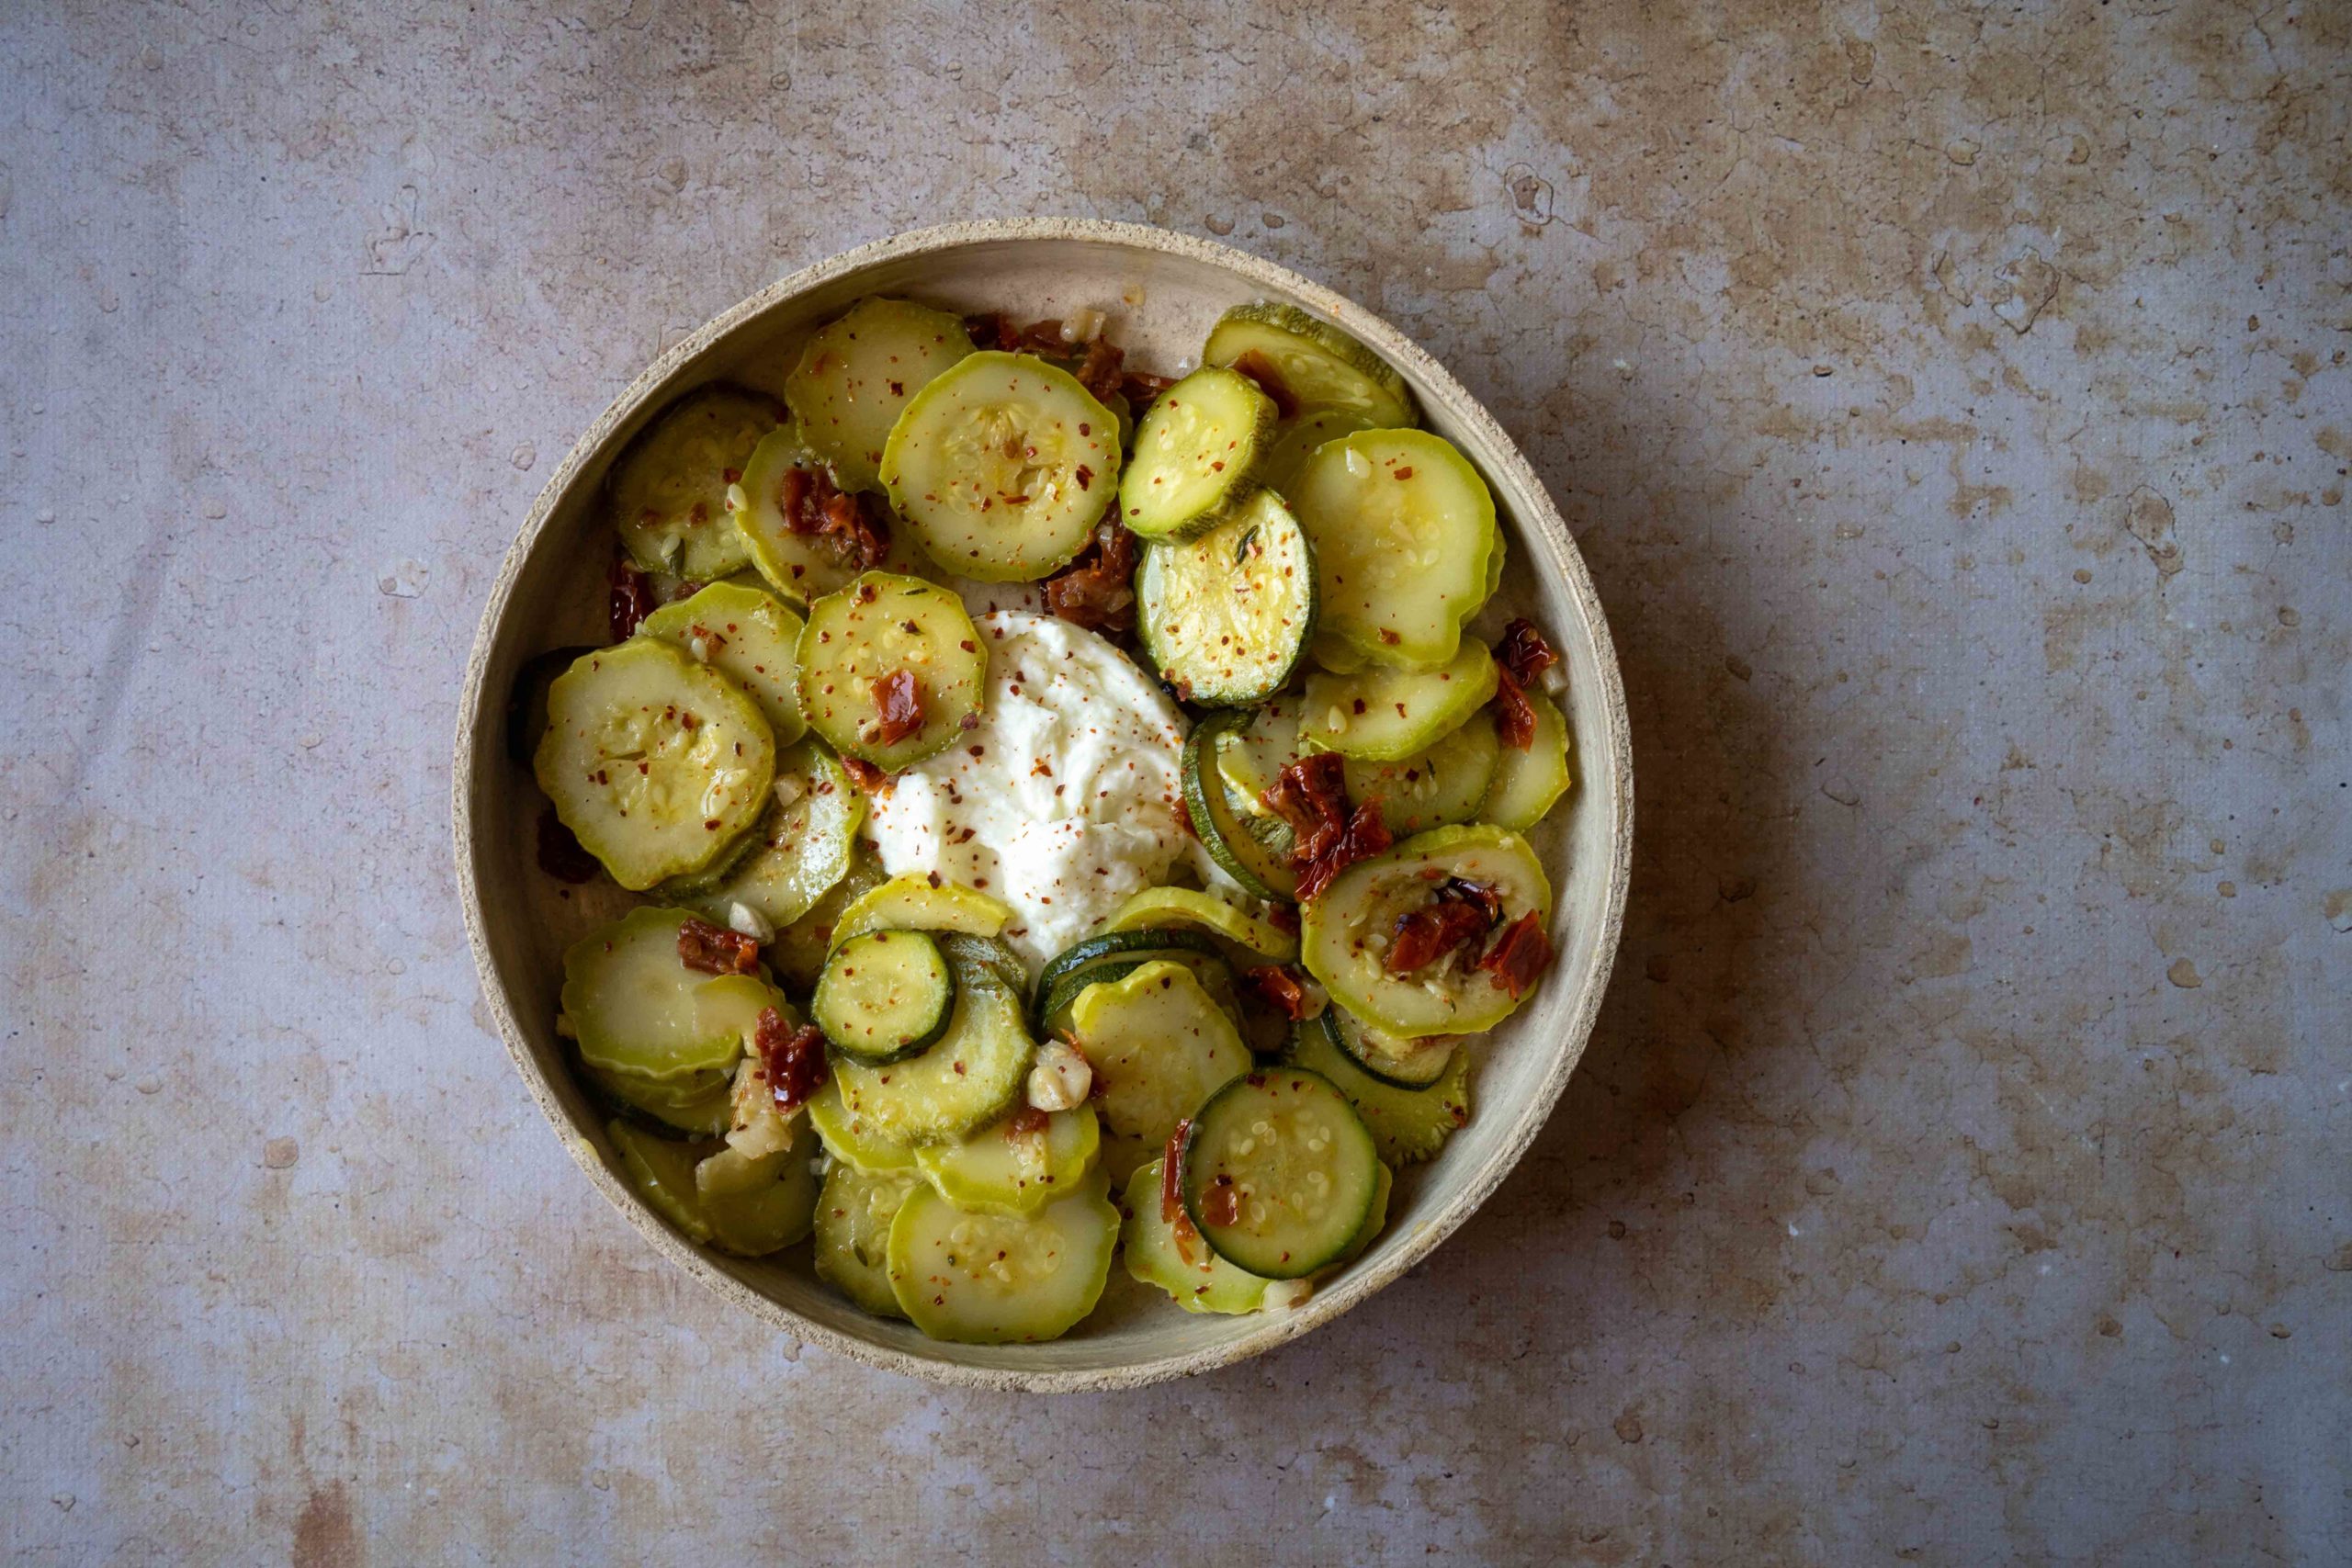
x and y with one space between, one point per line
853 1140
1176 1259
768 1208
1297 440
801 567
656 763
799 950
1442 784
1251 757
986 956
1528 783
1380 715
637 1011
890 651
1406 1064
1006 1168
667 494
914 904
1002 467
1346 931
802 848
854 1215
699 1104
747 634
1089 953
1404 532
1160 1045
1279 1172
527 700
1002 1279
858 372
1195 455
1227 616
1408 1124
974 1075
1258 860
663 1171
1055 1006
884 997
1155 909
1320 365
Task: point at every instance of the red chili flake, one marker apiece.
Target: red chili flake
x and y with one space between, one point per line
633 598
792 1057
897 705
1096 590
1274 985
1028 1118
1269 376
714 949
813 506
1171 1174
1431 932
1514 715
869 777
1404 473
561 854
1523 652
1518 955
1099 371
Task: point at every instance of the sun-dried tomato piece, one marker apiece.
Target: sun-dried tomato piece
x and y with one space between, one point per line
1221 1204
793 1057
1269 376
1096 591
1521 953
813 505
633 597
1274 985
869 777
714 949
1171 1174
1431 932
898 706
1514 715
561 855
1139 386
1311 794
1524 652
1099 371
1364 836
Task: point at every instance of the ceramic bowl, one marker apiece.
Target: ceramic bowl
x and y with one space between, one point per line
1161 291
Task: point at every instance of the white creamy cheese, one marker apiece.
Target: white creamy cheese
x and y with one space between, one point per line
1063 802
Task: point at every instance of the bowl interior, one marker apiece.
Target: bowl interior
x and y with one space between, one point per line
1161 292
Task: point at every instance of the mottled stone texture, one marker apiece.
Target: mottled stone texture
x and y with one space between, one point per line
1952 404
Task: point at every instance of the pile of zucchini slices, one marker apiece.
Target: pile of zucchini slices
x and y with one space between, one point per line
1218 1084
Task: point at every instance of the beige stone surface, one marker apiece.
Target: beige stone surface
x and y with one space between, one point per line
1951 403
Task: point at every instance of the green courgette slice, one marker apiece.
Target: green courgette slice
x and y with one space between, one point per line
770 1209
972 1076
886 653
857 373
747 634
1085 954
667 494
1226 617
1160 1045
1002 1279
1405 532
1408 1124
1002 467
1381 714
1195 455
1442 784
1317 364
1528 783
884 997
1158 909
801 567
637 1011
1405 1063
1011 1167
1257 860
655 763
852 1251
1157 1252
802 848
919 904
1279 1172
853 1139
1299 438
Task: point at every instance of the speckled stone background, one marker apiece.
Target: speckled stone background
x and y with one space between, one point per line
1951 402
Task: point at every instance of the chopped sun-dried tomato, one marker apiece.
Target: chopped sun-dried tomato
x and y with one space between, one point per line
1028 1118
633 597
1269 376
1096 591
1454 922
1139 386
898 706
1524 652
813 505
714 949
1099 371
1514 715
869 777
1171 1174
1221 1204
793 1058
1311 795
1276 985
1518 955
561 855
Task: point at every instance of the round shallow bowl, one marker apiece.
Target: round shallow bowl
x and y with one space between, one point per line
1161 292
